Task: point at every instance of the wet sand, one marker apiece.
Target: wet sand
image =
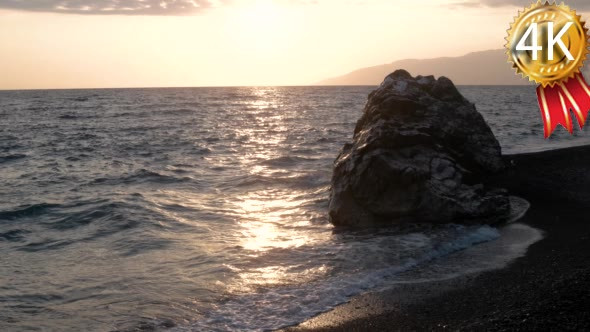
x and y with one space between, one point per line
548 289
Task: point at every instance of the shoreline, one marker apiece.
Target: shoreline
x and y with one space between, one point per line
548 288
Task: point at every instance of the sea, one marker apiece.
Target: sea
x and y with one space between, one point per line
205 209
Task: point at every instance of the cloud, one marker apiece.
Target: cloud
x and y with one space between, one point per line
113 7
575 4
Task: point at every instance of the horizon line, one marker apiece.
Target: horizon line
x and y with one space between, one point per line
231 86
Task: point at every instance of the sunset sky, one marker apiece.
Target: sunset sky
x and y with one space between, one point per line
161 43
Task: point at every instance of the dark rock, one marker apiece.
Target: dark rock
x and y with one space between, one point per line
419 154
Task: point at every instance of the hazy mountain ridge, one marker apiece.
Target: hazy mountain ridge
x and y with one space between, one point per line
477 68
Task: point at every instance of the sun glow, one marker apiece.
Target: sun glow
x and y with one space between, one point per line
263 27
262 13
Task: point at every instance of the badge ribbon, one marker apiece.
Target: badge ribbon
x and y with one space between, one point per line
558 46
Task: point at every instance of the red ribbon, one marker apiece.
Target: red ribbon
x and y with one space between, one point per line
557 101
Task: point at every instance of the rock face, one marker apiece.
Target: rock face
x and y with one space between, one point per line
419 154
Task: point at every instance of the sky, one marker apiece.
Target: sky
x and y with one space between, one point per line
169 43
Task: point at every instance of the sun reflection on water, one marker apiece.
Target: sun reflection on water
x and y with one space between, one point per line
261 223
273 225
266 203
274 275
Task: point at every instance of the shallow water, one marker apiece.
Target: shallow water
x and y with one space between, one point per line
201 209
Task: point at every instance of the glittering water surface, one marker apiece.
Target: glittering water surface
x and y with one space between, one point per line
200 209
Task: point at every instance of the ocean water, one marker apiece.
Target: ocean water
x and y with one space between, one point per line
205 209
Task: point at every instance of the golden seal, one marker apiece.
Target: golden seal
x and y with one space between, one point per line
547 43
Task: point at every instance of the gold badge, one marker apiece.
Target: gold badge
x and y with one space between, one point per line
548 43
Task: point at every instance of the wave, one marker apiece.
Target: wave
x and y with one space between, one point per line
15 235
68 224
290 305
68 117
286 161
139 177
178 111
27 211
89 215
300 181
45 245
11 157
374 262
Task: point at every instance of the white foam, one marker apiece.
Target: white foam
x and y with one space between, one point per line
281 306
327 274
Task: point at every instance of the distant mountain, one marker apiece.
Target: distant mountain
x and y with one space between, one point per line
477 68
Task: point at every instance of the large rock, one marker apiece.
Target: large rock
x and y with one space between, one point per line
419 154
